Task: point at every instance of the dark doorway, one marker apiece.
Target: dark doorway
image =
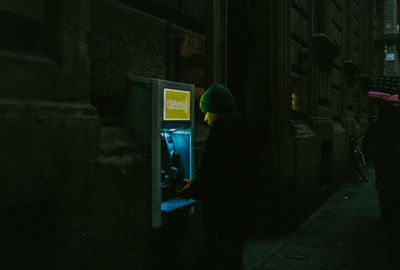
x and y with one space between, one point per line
326 160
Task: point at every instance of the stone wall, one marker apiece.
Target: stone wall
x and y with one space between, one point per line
332 59
49 133
124 39
391 9
75 191
141 38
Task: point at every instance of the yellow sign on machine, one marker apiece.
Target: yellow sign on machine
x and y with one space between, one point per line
176 104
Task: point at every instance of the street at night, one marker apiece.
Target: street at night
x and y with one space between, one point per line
199 134
344 233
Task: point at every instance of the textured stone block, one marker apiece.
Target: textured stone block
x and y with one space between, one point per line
299 25
46 148
307 159
123 40
340 150
61 75
304 5
194 9
336 102
336 34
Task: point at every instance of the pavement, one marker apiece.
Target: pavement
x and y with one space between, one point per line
345 233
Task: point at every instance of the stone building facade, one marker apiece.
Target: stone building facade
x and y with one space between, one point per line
49 132
308 64
75 189
333 60
391 35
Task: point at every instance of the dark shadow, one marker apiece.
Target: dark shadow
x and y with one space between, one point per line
27 235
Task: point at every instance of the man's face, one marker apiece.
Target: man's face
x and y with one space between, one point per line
209 118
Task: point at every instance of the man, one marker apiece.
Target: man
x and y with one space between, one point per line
227 178
387 137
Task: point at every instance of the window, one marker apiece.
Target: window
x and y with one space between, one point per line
28 27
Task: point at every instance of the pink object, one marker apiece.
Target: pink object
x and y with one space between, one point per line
384 96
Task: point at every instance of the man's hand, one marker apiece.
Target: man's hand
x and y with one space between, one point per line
182 187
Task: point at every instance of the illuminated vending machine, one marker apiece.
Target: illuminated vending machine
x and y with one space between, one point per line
160 116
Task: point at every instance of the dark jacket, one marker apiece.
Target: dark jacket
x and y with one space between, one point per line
228 176
387 136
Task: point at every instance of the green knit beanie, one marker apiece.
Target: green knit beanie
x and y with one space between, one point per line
217 99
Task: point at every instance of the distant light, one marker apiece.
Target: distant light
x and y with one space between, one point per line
294 101
390 57
172 129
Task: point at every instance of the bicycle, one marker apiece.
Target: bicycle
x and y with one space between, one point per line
358 164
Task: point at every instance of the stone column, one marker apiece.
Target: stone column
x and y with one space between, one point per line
217 42
48 131
268 95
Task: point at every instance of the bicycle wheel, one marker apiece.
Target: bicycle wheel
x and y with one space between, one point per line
362 167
